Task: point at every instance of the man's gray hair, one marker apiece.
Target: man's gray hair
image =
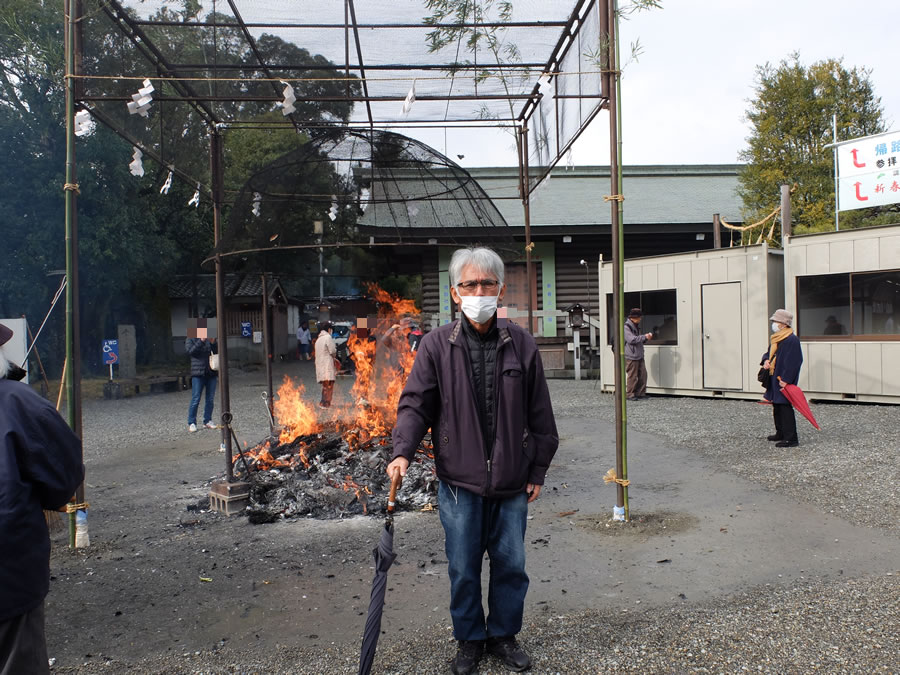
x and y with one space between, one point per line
4 364
482 259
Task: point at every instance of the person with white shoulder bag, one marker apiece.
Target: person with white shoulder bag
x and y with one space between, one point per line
204 352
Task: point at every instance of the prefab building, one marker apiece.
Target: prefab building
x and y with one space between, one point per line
844 290
709 314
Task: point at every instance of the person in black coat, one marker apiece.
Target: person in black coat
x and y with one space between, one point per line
40 468
783 361
200 347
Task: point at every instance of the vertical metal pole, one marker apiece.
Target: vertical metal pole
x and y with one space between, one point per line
267 344
618 262
717 231
526 202
834 150
215 171
73 329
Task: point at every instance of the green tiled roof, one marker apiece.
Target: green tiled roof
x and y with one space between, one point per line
653 194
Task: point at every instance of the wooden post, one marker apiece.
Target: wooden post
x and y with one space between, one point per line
717 231
785 214
215 171
789 303
267 342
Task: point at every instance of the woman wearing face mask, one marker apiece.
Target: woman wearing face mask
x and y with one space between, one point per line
783 361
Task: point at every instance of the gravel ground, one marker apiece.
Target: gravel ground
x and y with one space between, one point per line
839 627
815 625
851 468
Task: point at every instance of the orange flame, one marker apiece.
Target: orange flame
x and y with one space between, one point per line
382 367
296 416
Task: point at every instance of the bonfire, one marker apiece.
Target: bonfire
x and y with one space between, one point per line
330 462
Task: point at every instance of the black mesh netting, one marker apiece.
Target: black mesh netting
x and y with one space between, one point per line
364 187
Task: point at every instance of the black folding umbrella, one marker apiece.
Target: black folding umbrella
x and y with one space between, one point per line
384 557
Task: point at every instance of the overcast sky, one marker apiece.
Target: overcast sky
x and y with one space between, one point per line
684 100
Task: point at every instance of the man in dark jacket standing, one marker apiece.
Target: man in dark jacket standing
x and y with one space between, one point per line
478 384
635 369
40 468
200 346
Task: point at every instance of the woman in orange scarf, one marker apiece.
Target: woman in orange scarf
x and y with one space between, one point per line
783 360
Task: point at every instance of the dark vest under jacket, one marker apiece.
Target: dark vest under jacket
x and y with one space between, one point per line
482 351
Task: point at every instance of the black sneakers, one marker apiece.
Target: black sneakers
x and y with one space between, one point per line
508 650
775 437
468 654
787 444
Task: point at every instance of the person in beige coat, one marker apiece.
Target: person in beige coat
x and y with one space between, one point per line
325 371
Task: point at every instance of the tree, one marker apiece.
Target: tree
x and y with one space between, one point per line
132 238
791 117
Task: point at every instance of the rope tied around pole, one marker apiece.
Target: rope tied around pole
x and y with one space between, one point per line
72 508
530 247
611 477
72 187
614 198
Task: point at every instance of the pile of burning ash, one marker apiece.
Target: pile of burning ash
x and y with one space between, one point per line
324 476
330 463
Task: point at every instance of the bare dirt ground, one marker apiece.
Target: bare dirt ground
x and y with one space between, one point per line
166 577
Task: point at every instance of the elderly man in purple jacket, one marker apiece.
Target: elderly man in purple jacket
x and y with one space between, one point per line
478 384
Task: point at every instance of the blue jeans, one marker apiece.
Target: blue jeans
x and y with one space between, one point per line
198 384
473 525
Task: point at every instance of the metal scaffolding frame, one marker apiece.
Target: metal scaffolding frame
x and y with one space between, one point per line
544 78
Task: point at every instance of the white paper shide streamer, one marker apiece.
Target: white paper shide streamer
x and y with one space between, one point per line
287 105
164 190
140 102
410 99
257 200
84 125
195 200
137 166
364 199
333 211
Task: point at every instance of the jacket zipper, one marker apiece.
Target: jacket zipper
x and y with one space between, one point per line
489 449
465 353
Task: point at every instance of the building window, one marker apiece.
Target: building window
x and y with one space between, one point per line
660 315
823 305
858 304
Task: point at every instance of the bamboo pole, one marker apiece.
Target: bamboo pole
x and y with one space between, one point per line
73 342
618 239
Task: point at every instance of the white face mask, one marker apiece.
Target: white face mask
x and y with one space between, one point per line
479 308
775 327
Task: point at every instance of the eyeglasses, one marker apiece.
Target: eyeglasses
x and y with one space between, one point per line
487 284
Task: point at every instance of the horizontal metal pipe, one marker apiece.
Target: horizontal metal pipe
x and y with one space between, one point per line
341 26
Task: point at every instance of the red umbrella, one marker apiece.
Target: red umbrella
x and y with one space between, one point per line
794 394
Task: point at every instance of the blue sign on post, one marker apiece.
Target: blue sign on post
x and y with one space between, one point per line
246 329
110 355
110 352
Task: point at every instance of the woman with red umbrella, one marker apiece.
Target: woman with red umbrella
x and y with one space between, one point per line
783 361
